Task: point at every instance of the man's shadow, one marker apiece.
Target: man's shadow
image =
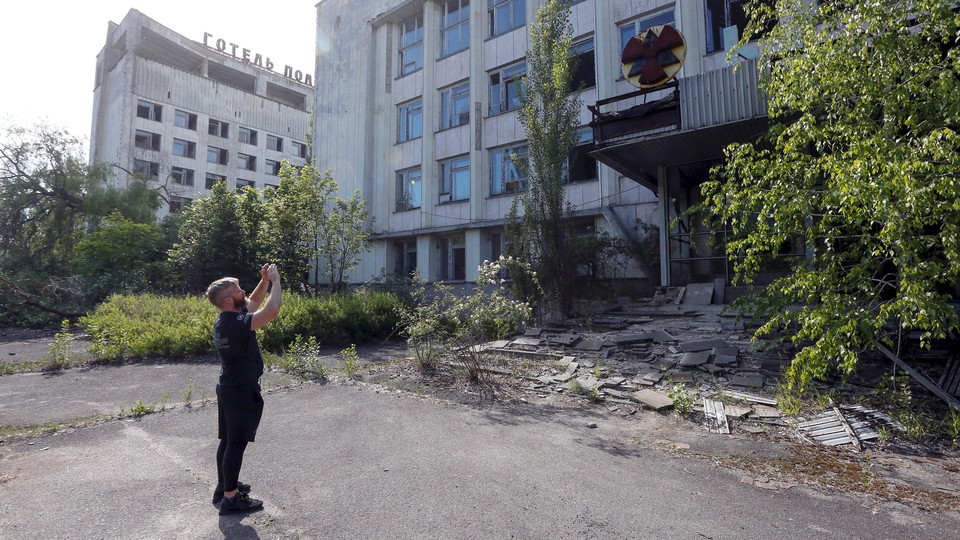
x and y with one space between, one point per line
233 529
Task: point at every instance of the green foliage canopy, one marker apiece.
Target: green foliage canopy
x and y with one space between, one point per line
860 167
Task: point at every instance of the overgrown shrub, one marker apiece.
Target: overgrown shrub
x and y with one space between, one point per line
133 326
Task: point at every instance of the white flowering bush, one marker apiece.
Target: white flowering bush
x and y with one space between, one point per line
443 323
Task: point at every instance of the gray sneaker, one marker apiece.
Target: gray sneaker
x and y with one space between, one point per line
241 502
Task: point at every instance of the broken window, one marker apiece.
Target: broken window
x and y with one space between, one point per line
455 27
580 165
409 189
505 88
246 162
726 20
185 120
150 111
299 149
455 179
411 45
146 169
178 204
243 184
146 140
182 176
214 179
410 121
184 148
584 70
506 15
216 155
248 136
272 167
218 128
455 106
274 143
505 174
405 257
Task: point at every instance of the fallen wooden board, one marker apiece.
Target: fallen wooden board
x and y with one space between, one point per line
716 417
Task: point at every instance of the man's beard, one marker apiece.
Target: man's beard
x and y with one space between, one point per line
240 304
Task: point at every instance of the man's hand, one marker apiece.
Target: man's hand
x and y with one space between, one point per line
263 271
272 273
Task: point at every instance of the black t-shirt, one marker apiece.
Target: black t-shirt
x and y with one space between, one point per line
237 347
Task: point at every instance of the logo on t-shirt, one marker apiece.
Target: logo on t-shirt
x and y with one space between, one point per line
240 317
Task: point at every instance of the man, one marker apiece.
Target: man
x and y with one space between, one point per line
239 404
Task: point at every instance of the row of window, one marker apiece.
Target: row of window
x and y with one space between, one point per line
504 95
507 15
505 176
150 170
217 128
188 149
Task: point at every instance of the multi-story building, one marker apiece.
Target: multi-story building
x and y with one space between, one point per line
417 107
187 114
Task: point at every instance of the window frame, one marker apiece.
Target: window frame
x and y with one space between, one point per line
448 191
574 87
500 160
415 45
271 167
214 178
177 204
152 168
449 98
299 149
509 76
249 134
448 28
274 142
246 162
223 155
242 183
182 176
146 140
405 113
405 198
511 9
403 249
190 122
218 128
189 148
584 140
150 111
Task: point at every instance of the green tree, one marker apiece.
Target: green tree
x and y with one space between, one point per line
295 213
49 197
123 256
218 236
550 115
342 237
860 167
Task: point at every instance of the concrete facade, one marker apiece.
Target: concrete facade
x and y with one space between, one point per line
186 114
384 65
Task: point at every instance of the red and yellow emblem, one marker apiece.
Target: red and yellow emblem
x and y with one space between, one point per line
654 56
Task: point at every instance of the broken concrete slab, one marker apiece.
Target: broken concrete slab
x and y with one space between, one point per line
765 411
751 381
752 398
533 332
589 344
698 294
652 399
652 378
736 411
705 345
563 339
630 339
690 359
610 382
678 377
665 363
528 341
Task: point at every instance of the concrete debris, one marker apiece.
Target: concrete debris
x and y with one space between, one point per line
749 397
700 294
652 399
690 359
706 345
752 381
846 425
565 340
529 341
589 344
715 416
533 332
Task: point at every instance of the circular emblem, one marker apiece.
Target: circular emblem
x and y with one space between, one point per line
653 56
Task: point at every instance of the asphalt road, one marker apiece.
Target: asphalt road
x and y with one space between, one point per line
350 462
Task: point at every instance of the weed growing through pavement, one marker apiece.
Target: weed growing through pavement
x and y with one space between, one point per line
162 405
951 426
303 359
351 361
682 399
575 387
60 348
188 392
139 409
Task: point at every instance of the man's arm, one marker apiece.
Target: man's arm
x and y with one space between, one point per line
271 309
253 301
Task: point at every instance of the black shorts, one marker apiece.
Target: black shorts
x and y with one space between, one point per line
239 409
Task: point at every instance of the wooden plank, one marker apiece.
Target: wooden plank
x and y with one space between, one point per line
919 377
716 416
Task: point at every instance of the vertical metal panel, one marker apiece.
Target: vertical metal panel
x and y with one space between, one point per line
721 96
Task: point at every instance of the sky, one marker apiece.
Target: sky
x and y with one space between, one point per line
49 47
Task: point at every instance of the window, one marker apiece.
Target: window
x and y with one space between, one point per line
177 204
580 166
505 88
633 28
584 71
184 148
146 169
150 111
218 128
146 140
411 45
506 15
214 179
272 167
182 176
216 155
299 149
274 143
242 184
185 120
726 20
455 106
455 27
408 189
246 162
455 179
248 136
505 175
410 121
405 262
